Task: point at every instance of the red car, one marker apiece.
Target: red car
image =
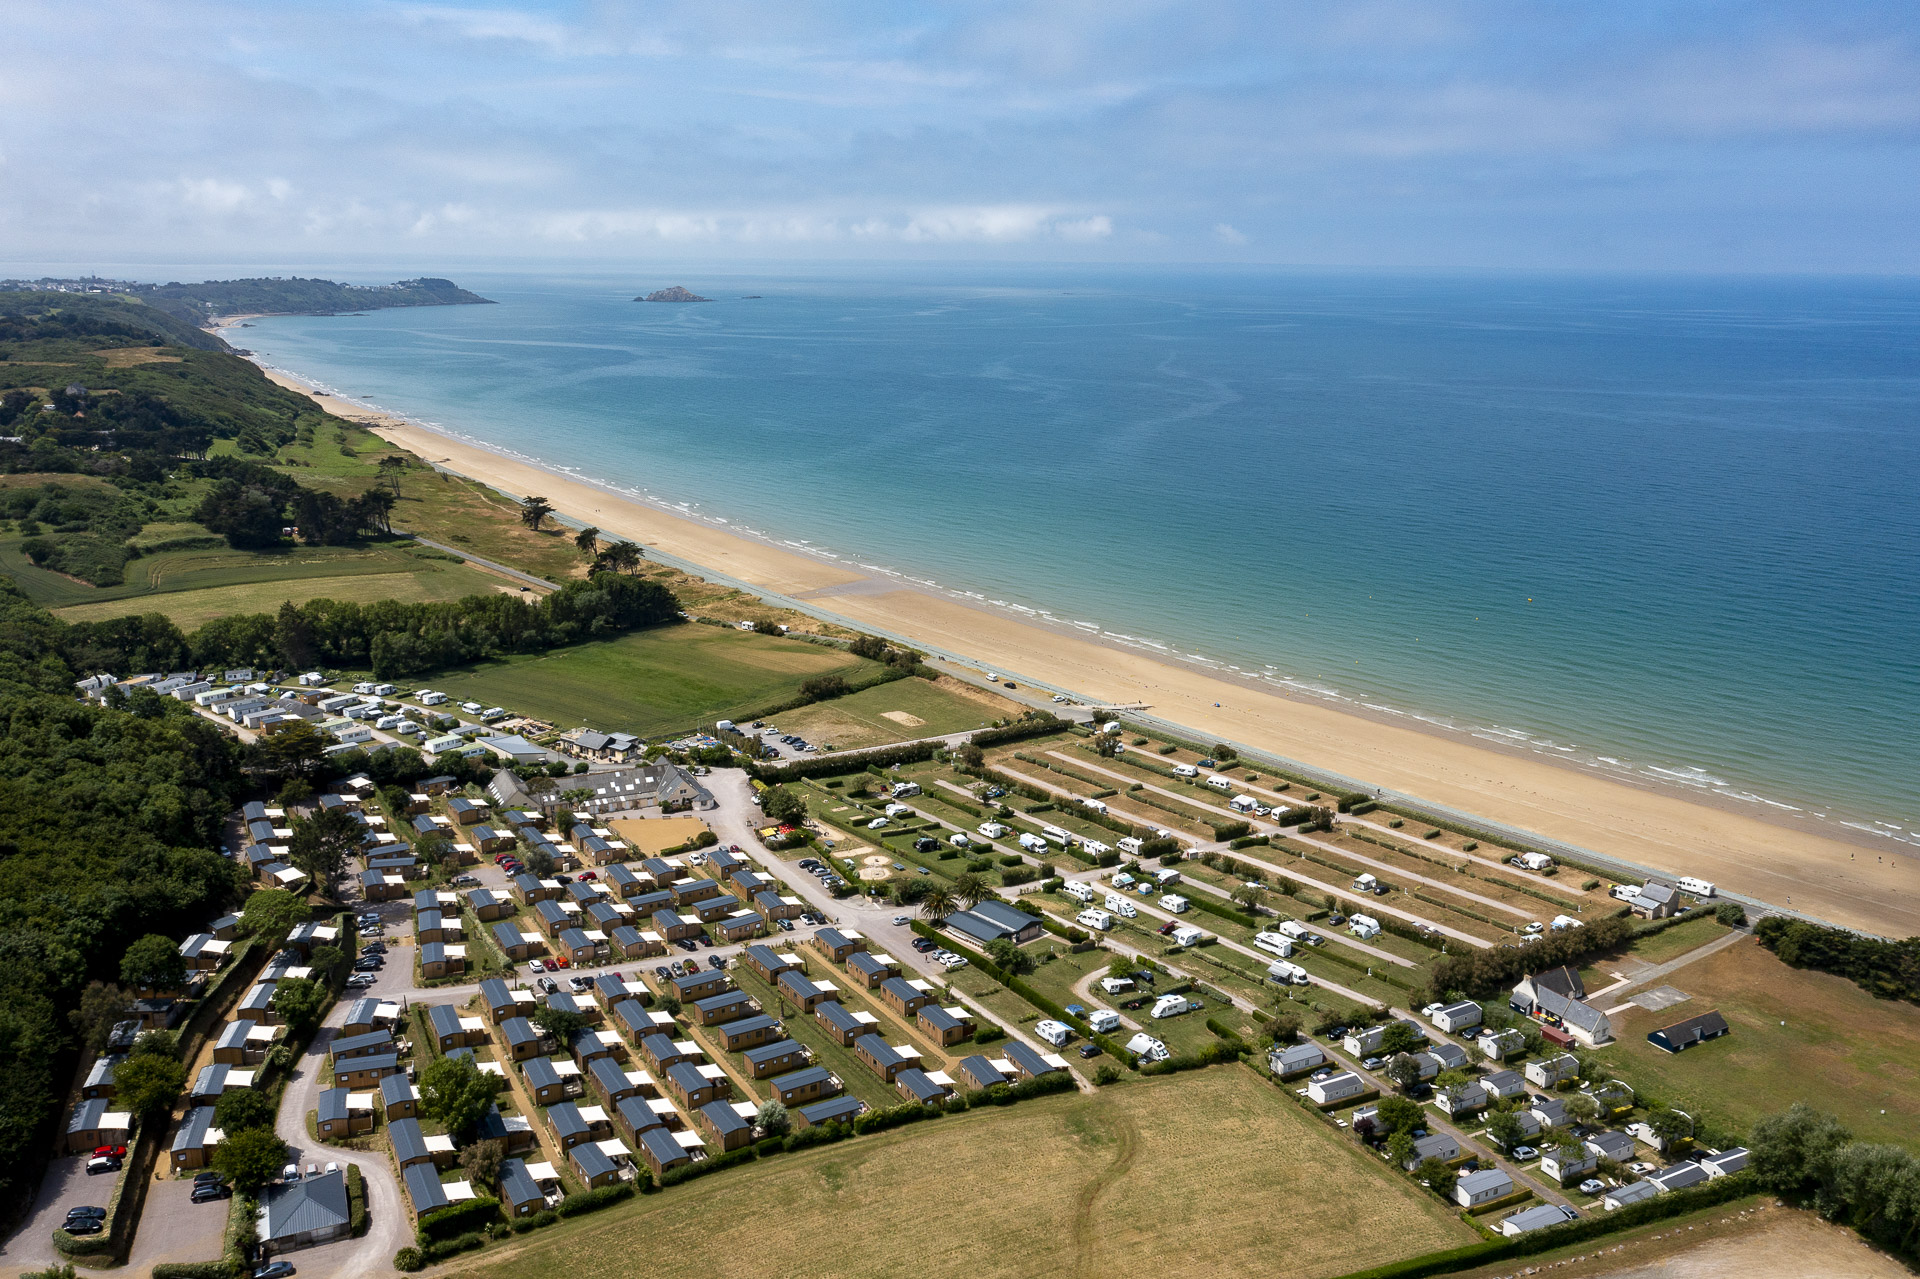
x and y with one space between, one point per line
109 1152
558 961
588 876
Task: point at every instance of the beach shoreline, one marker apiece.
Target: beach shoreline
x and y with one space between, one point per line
1790 862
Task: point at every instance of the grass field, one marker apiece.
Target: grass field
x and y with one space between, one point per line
654 682
1199 1175
900 711
191 609
649 836
1796 1036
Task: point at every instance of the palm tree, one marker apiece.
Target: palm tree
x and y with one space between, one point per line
587 539
938 904
968 890
534 512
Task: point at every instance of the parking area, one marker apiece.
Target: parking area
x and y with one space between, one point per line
65 1186
174 1229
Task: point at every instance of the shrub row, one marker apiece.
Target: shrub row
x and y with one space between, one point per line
222 1269
1039 725
458 1219
1212 1055
705 1168
586 1201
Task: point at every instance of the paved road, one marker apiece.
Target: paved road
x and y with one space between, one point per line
492 566
66 1185
174 1229
1658 971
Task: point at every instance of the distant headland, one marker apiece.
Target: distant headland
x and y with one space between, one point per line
674 294
274 295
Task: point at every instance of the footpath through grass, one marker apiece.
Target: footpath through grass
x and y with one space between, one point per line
1194 1175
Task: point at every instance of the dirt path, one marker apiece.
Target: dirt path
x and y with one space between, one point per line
1080 1218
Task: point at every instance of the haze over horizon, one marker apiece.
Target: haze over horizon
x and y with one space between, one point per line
1399 133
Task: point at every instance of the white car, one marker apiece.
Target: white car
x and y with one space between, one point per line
535 966
955 961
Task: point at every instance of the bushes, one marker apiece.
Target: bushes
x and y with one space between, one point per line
545 1217
895 1117
450 1247
1108 1073
1230 830
1486 972
408 1260
593 1200
818 1135
989 1035
705 1168
222 1269
1731 914
1015 876
458 1219
1251 841
356 1200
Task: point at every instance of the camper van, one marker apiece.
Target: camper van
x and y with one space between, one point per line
1147 1047
1098 920
1032 843
1218 782
1277 943
1695 887
993 830
1054 1032
1078 891
897 810
1287 974
1103 1020
1169 1006
1175 903
1185 770
1056 836
1097 805
1129 847
905 790
1121 906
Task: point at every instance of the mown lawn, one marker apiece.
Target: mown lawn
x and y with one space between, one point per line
1796 1036
1196 1175
903 710
653 683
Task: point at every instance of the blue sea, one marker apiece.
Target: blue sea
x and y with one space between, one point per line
1664 527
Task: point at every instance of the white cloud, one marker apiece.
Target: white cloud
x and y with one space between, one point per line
1226 233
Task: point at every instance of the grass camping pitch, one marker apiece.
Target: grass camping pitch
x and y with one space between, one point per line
666 680
1196 1175
1797 1036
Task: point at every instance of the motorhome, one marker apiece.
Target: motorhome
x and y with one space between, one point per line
1094 848
1121 906
1169 1006
1032 843
1103 1021
905 790
1287 974
1054 1032
1098 920
1277 943
1129 847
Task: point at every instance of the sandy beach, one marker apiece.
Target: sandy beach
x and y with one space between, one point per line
1808 871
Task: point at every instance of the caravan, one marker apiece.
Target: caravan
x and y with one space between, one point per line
1094 848
1218 782
1082 893
1185 770
1097 805
1702 888
1276 943
1174 902
1056 836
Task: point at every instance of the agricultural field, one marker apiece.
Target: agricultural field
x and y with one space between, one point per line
1190 1176
903 710
1796 1036
652 683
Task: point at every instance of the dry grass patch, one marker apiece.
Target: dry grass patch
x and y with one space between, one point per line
651 835
1194 1175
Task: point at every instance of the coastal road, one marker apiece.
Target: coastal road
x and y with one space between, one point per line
492 566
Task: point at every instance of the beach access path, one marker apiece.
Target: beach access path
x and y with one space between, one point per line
1767 858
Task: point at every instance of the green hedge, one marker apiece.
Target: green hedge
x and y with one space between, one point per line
1211 1055
545 1217
1202 902
911 1112
706 1167
222 1269
1019 731
1674 1204
356 1200
458 1219
593 1200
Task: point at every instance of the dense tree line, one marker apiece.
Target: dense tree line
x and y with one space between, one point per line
251 504
389 637
1484 973
1884 969
109 821
1812 1157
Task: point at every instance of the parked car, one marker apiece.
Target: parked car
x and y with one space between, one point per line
210 1192
588 876
1524 1153
290 1174
98 1214
716 962
1592 1186
101 1164
360 981
274 1270
84 1225
110 1152
1089 1050
535 966
899 921
786 925
660 971
548 984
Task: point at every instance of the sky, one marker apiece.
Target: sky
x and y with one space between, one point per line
1432 134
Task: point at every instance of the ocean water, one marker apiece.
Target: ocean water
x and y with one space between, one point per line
1665 527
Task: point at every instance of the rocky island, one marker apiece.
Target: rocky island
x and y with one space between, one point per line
674 294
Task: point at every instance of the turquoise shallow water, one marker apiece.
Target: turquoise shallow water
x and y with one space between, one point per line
1668 527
